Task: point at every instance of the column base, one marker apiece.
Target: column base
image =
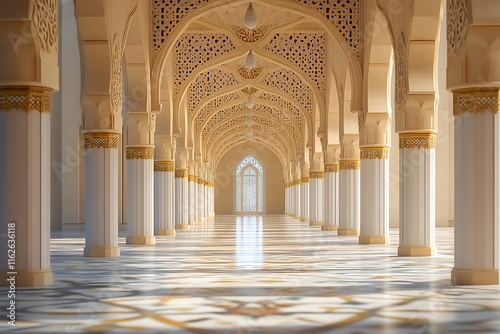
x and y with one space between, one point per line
316 223
304 220
101 251
165 232
416 251
147 240
192 223
28 278
329 228
475 276
374 240
182 227
296 216
201 219
348 231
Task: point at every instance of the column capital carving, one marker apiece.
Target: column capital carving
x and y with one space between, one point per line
349 164
332 168
317 175
417 140
140 152
27 99
475 101
164 166
381 152
181 173
101 139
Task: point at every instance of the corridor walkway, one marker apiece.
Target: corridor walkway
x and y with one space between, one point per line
254 274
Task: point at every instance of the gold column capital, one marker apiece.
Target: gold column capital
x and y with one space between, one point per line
375 152
101 139
316 174
349 164
27 98
181 173
304 179
200 180
140 152
475 101
164 166
193 178
332 168
417 140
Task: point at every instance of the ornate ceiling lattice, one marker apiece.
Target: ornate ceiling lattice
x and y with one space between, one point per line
214 104
292 85
306 50
218 118
207 83
285 105
344 15
195 49
221 127
280 118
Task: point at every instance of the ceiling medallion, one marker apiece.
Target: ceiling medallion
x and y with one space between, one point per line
250 35
249 90
249 74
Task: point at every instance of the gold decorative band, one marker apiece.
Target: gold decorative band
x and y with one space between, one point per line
417 140
101 140
317 175
25 98
181 173
332 168
201 181
349 164
164 166
475 101
375 153
193 178
140 153
304 179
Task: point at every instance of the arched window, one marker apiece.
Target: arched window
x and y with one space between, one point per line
249 186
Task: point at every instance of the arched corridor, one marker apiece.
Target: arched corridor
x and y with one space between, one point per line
250 166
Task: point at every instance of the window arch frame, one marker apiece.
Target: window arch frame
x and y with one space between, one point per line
260 187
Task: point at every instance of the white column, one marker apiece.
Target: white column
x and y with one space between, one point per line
205 201
294 199
140 195
374 195
304 196
25 184
181 199
477 187
286 198
331 191
349 193
299 199
196 201
101 194
201 200
316 198
213 199
192 181
164 198
417 215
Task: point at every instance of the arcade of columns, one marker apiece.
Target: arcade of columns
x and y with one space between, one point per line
335 153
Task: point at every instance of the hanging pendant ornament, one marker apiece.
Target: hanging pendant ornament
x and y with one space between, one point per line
250 102
250 18
250 63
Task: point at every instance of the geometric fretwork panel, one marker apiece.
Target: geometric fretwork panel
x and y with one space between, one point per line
343 14
273 126
195 49
217 118
306 50
291 84
285 105
217 128
249 186
280 118
272 135
212 105
208 83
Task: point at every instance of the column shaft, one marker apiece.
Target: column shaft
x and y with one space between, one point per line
164 198
140 195
181 199
201 200
349 192
331 196
192 182
374 195
101 194
304 196
316 198
417 215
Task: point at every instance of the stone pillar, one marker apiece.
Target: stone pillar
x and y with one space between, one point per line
331 197
181 199
304 195
349 192
417 194
164 197
192 183
316 198
298 197
25 184
140 194
374 195
201 200
101 194
286 198
477 186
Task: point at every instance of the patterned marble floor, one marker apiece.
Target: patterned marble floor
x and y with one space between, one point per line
245 275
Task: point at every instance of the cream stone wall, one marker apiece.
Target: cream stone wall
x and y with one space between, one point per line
274 194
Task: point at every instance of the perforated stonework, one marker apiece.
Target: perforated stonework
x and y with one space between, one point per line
221 117
292 85
214 104
284 104
195 49
306 50
343 14
207 83
218 117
